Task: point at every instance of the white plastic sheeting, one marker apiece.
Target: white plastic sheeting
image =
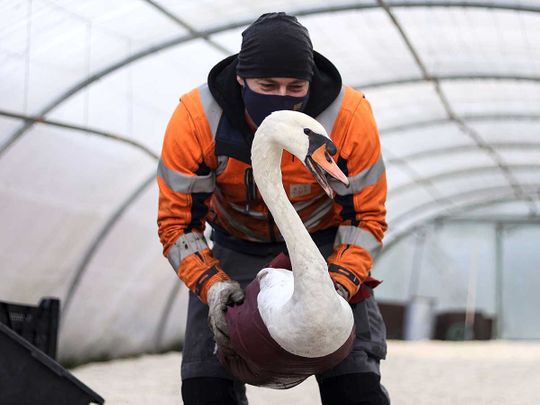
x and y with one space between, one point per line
466 264
454 86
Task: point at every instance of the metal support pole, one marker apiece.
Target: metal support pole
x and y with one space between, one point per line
414 280
498 327
419 314
470 311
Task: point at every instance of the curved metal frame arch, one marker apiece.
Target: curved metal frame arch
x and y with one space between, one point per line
165 313
460 173
185 25
84 130
451 150
426 183
507 196
226 27
455 77
452 115
100 237
207 33
487 195
443 121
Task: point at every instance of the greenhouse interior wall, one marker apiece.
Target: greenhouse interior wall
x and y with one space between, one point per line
87 89
475 264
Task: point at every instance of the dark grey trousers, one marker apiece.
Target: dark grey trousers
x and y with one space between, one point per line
199 352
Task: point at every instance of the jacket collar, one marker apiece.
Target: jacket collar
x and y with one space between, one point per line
324 88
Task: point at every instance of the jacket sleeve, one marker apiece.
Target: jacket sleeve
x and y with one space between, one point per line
186 183
362 204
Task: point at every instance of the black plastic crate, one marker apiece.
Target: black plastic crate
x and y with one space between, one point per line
451 326
394 319
37 325
30 377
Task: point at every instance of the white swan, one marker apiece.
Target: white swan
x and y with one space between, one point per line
301 310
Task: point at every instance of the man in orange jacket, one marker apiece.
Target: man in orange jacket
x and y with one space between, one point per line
205 175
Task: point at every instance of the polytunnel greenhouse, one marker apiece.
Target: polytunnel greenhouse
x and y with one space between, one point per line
87 89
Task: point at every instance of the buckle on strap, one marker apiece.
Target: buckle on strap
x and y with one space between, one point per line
335 268
203 278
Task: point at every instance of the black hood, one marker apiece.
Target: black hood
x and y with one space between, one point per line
324 88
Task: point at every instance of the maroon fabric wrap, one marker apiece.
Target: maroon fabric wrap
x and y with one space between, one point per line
259 360
281 261
365 290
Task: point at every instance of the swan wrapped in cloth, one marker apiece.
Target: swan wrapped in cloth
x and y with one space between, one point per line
258 359
292 324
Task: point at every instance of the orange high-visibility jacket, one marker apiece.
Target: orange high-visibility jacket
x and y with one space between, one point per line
196 186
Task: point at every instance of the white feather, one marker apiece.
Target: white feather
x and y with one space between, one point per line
301 309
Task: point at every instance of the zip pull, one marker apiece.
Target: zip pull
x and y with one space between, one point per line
251 188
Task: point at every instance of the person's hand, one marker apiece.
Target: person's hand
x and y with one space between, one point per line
221 295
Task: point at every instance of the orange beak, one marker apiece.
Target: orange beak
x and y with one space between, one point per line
319 162
325 161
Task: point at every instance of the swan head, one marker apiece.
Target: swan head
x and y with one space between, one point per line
305 138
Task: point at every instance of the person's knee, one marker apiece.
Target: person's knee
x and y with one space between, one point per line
212 391
353 389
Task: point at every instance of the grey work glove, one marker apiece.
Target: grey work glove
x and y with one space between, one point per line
221 295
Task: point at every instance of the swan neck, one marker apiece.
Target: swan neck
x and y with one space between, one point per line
266 162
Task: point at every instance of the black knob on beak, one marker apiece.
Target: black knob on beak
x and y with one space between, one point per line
331 148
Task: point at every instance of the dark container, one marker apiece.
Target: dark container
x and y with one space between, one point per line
30 377
37 325
451 326
393 315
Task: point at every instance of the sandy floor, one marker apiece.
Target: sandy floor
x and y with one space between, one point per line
419 373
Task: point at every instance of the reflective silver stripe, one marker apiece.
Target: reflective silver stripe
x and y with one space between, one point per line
212 110
242 209
250 235
184 246
358 182
213 113
353 235
328 117
183 183
319 214
300 205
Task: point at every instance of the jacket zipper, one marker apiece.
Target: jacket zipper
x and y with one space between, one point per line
344 250
251 195
251 189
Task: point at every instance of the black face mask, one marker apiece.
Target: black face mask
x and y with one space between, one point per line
259 106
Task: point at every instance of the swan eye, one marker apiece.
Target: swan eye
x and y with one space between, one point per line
307 131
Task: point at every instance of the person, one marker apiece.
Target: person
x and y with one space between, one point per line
205 175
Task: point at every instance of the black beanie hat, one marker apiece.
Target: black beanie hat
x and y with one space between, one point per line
276 45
